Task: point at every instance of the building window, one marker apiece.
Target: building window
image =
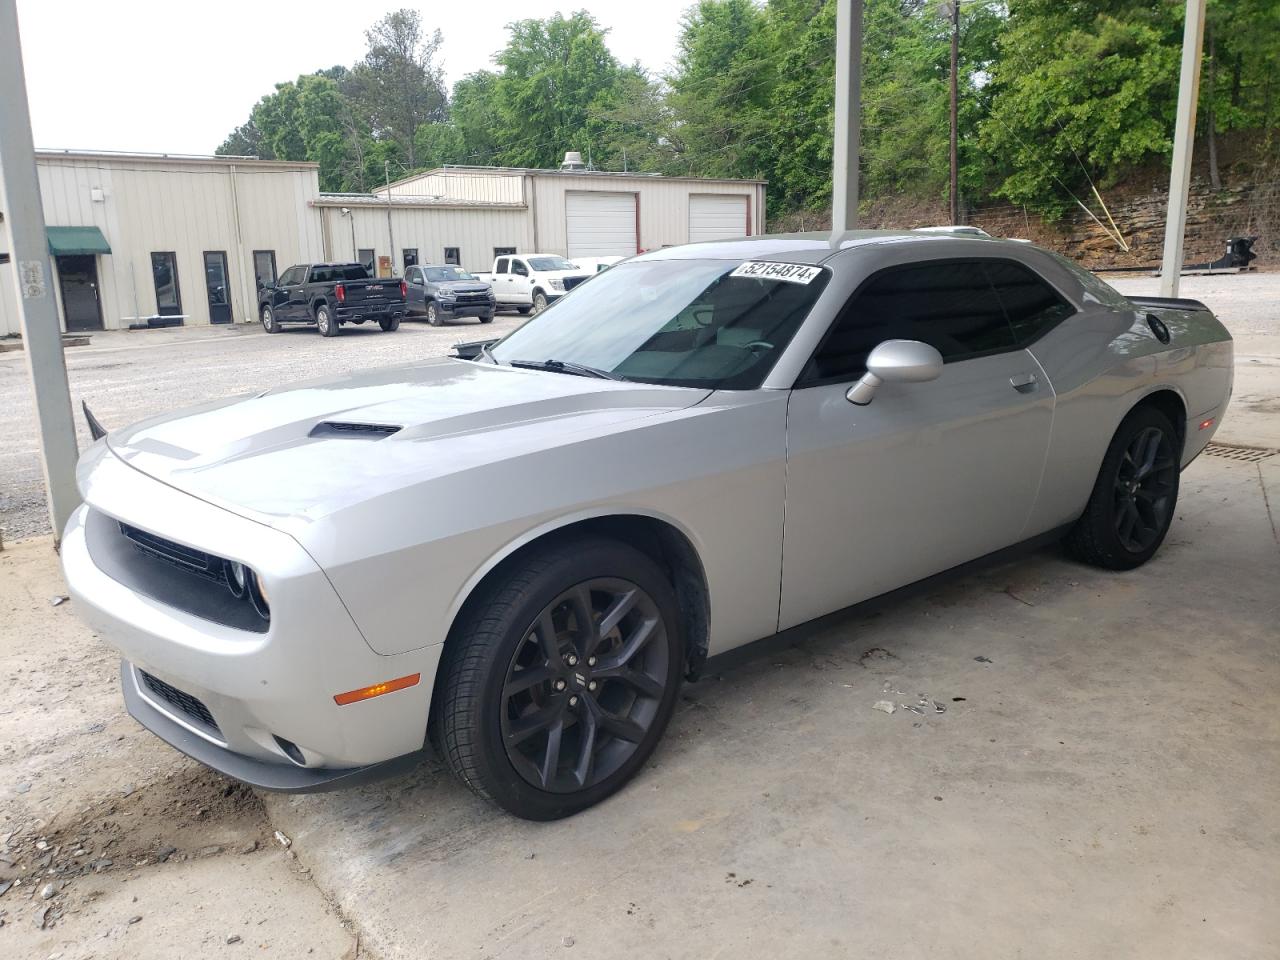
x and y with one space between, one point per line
367 258
453 255
164 270
410 255
264 268
503 251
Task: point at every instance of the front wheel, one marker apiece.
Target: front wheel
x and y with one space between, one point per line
326 321
433 314
389 324
1133 500
523 311
486 318
539 302
558 684
269 322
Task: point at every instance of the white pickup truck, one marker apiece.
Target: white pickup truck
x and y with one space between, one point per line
532 281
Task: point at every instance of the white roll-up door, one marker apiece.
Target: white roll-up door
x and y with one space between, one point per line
717 216
601 224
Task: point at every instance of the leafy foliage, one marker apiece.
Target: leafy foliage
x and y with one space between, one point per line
1052 95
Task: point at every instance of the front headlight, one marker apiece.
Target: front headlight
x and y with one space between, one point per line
245 584
557 284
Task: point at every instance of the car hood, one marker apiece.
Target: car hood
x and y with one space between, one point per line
302 452
462 286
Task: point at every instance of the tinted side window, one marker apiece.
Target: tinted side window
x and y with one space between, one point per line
947 304
501 265
292 276
321 275
1033 306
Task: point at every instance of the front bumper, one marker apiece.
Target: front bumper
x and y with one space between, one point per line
258 688
466 309
286 778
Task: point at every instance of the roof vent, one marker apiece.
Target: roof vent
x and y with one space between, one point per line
573 161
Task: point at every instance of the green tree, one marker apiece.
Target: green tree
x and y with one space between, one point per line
399 85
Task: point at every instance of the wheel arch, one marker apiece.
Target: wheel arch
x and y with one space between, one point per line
661 538
1169 401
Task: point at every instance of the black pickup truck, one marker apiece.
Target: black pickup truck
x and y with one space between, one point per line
327 295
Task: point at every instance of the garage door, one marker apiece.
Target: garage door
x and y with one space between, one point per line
601 224
717 217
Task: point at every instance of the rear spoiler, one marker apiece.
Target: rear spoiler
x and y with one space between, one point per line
1168 303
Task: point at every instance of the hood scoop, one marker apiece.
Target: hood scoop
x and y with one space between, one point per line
353 431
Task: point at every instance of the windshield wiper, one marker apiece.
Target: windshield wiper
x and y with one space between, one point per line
488 354
566 366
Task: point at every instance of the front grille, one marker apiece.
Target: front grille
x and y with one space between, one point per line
184 703
186 558
571 282
473 298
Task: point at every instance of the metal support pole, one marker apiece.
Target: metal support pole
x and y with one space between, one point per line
848 116
29 249
955 112
1175 223
391 238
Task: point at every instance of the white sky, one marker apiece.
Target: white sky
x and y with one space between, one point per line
146 75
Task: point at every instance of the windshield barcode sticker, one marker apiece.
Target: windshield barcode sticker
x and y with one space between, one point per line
765 270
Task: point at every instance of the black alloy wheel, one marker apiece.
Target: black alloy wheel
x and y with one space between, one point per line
1145 485
585 685
1133 500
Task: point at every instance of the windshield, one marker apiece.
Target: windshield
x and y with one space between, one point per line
551 263
444 274
688 323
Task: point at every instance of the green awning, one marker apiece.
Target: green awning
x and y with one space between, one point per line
76 241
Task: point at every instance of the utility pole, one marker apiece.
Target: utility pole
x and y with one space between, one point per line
1175 223
29 251
955 99
848 116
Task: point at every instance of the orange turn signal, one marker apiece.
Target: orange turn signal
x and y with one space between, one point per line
377 690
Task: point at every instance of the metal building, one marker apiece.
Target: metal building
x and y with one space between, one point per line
140 238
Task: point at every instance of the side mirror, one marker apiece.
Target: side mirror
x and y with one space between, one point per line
896 361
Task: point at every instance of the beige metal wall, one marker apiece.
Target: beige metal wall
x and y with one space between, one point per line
664 205
474 230
462 185
186 207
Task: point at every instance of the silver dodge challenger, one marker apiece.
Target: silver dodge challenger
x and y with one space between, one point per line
518 553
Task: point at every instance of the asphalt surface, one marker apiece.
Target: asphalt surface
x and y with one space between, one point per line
126 376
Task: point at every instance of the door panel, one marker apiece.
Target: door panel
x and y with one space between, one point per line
927 476
218 286
78 280
164 272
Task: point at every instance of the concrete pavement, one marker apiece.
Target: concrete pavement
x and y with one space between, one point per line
1104 786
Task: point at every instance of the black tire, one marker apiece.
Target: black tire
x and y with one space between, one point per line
486 318
539 302
523 311
269 322
326 322
433 313
477 714
389 324
1135 496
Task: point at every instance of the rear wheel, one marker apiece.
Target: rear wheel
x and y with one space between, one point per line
558 685
327 322
1133 501
269 322
433 313
389 324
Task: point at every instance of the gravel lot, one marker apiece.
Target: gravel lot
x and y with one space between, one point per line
126 376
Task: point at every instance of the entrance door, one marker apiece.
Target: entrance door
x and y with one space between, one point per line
164 270
219 287
78 277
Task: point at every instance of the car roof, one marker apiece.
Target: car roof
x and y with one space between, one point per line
811 247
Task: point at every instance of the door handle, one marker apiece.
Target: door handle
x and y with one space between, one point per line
1023 382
